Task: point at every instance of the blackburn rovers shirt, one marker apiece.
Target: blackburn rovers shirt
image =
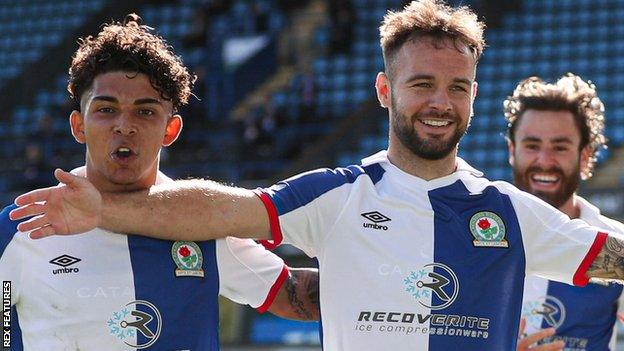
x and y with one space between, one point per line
104 291
584 317
408 264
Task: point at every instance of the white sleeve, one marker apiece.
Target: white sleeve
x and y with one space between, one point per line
248 273
555 247
303 209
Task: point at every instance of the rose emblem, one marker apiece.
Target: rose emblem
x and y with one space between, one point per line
184 251
483 224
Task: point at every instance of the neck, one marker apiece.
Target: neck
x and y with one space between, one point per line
83 171
419 167
571 208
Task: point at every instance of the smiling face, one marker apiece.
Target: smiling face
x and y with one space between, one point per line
429 97
545 155
124 122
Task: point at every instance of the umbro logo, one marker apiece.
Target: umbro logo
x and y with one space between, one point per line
376 217
65 261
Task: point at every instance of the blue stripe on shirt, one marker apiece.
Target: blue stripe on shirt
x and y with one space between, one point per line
188 305
491 279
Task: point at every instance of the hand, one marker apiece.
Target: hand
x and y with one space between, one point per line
70 208
525 342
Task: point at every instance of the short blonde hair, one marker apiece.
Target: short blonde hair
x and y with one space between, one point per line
569 93
432 18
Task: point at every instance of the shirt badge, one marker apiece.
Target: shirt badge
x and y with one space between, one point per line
188 257
488 230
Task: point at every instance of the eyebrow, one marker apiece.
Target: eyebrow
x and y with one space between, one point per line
565 140
147 101
105 98
430 77
136 102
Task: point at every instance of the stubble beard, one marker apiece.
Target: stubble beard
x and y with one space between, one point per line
433 148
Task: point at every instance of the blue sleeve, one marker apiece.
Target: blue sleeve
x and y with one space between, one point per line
8 228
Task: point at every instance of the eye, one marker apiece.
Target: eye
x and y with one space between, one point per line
422 85
561 148
531 147
105 110
145 112
458 88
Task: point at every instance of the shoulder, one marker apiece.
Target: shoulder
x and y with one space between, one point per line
310 186
611 224
476 184
591 214
331 178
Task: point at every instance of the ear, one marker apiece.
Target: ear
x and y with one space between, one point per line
475 89
76 122
511 148
382 86
174 127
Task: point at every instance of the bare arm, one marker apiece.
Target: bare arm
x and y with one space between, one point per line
181 210
298 298
609 264
187 210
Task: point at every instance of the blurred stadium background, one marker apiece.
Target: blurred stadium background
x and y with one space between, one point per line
288 85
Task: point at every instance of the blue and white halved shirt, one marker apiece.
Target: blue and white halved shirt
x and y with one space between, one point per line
408 264
584 317
106 291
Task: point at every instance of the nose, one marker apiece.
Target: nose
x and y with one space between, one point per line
440 100
546 158
124 124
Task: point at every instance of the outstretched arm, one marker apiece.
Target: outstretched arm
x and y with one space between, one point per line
181 210
298 298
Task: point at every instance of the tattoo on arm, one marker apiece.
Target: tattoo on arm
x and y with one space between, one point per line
302 289
609 264
312 287
296 304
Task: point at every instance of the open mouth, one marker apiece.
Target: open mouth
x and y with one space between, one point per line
544 179
123 153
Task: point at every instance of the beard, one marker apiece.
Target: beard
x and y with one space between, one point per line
568 184
432 148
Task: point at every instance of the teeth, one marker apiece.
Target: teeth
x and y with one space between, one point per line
545 178
435 123
123 149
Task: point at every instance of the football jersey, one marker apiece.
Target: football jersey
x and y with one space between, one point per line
104 291
408 264
583 316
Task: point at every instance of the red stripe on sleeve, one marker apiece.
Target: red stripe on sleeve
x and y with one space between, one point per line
580 277
274 290
276 231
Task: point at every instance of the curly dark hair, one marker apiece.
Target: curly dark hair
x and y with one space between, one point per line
569 93
130 47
